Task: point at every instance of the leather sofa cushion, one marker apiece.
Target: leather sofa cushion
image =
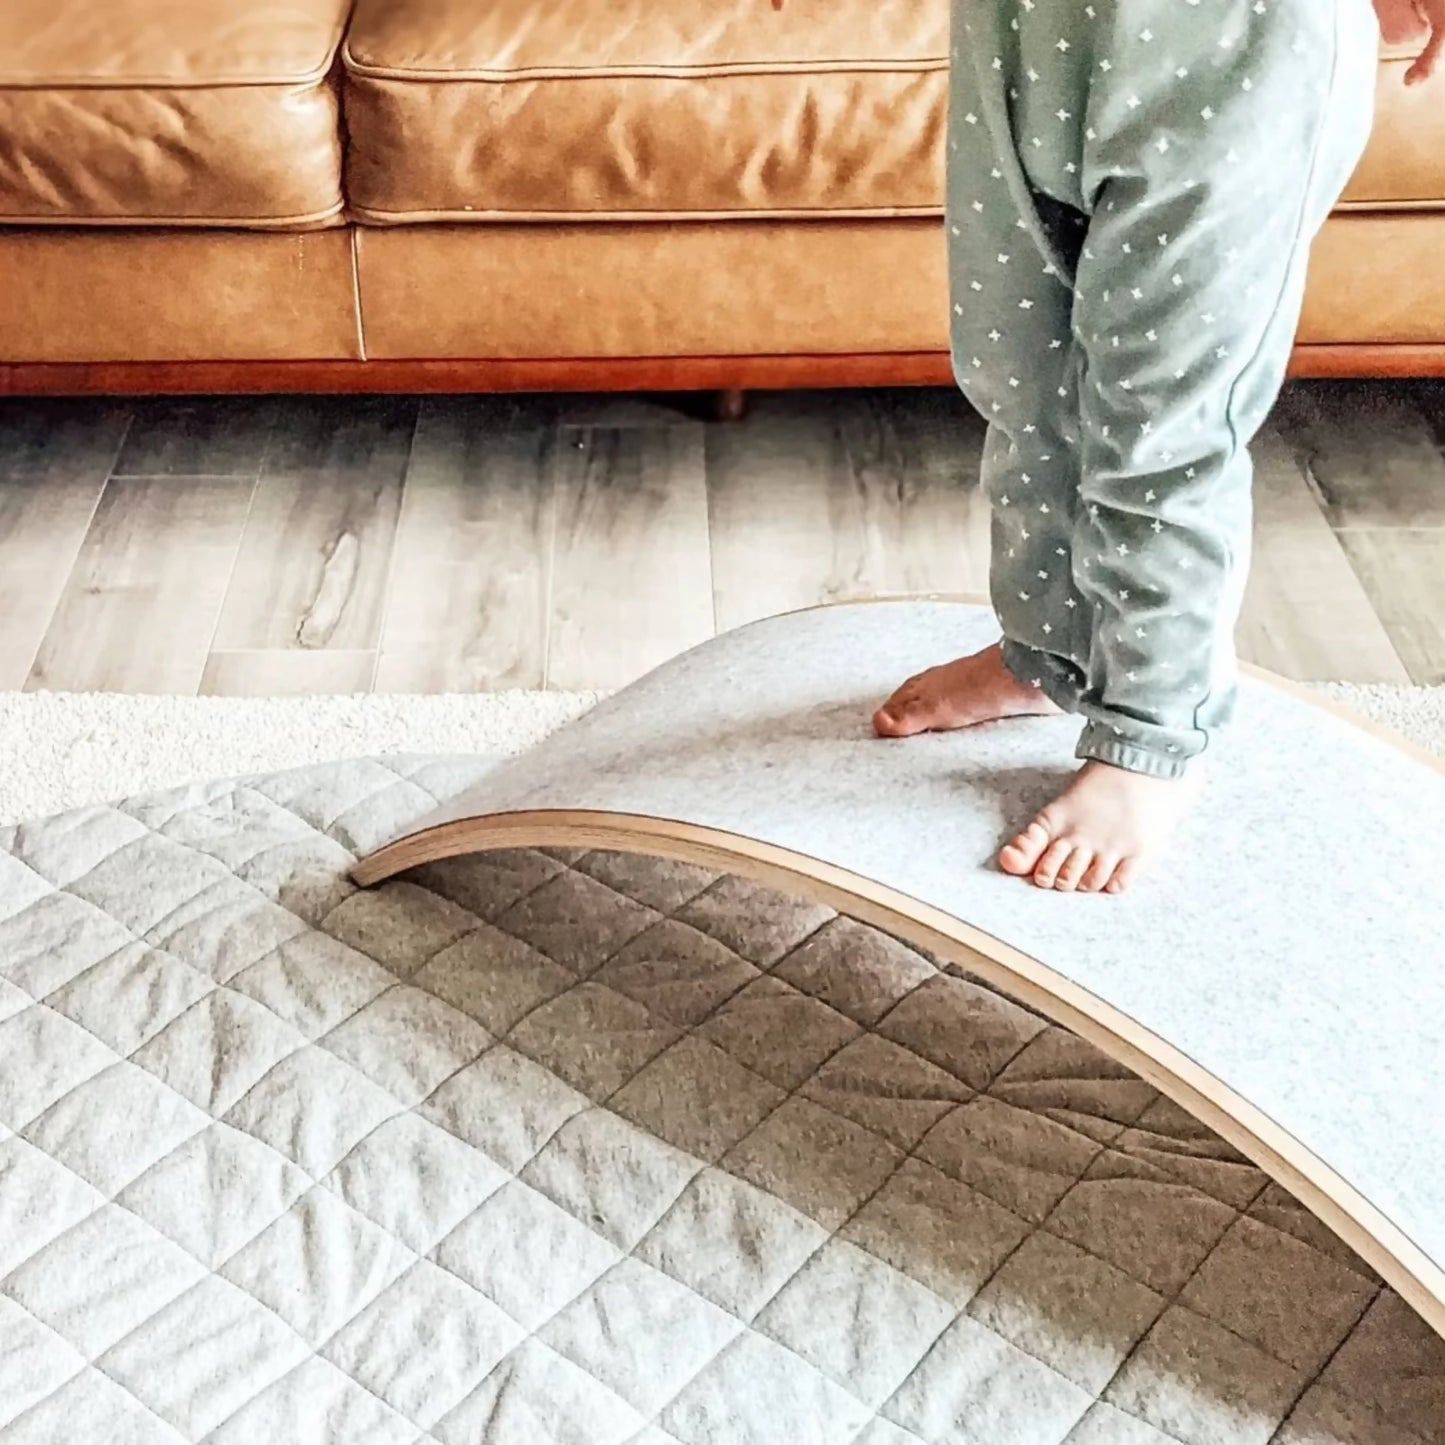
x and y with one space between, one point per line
1405 164
634 109
170 112
630 109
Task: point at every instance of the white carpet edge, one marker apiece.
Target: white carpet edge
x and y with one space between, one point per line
1416 713
69 750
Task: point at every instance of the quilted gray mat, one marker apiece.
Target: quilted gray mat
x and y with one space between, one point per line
579 1148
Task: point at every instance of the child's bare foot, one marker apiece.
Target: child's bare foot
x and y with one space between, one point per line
1101 830
959 694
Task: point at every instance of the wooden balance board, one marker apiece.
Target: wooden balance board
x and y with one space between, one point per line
1281 975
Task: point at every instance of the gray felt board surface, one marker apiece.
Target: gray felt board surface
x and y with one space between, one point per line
1291 943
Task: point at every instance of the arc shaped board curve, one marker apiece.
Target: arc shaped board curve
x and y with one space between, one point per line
1281 977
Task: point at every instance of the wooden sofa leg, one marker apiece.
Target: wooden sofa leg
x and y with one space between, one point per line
730 404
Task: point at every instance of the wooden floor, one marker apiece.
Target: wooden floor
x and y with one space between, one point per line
319 545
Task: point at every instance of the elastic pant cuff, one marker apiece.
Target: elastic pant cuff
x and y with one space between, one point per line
1049 674
1101 744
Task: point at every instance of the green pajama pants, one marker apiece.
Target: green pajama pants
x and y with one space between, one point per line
1133 186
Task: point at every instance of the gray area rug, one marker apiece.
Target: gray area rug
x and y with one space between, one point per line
587 1149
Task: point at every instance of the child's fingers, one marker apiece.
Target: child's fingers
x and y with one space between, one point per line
1432 12
1424 67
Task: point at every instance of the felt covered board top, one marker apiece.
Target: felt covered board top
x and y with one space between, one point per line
1281 974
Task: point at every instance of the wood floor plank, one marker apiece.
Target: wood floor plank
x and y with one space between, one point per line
1374 451
1403 572
316 554
520 535
213 436
1306 615
467 606
631 575
287 672
828 497
629 409
140 606
54 460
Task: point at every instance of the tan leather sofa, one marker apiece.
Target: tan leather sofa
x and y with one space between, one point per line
477 194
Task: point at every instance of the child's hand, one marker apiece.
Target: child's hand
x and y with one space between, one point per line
1405 20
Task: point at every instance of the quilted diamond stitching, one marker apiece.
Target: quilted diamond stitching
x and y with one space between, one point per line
861 1322
612 1328
43 1055
35 1361
114 1126
316 1401
39 1200
175 1362
101 1278
322 1239
885 1199
415 1180
91 1406
466 1337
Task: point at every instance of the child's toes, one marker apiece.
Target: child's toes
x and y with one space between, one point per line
1072 873
1123 876
1101 870
908 711
1021 856
1046 874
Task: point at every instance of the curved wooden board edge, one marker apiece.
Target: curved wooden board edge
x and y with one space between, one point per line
1396 1257
1418 1278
